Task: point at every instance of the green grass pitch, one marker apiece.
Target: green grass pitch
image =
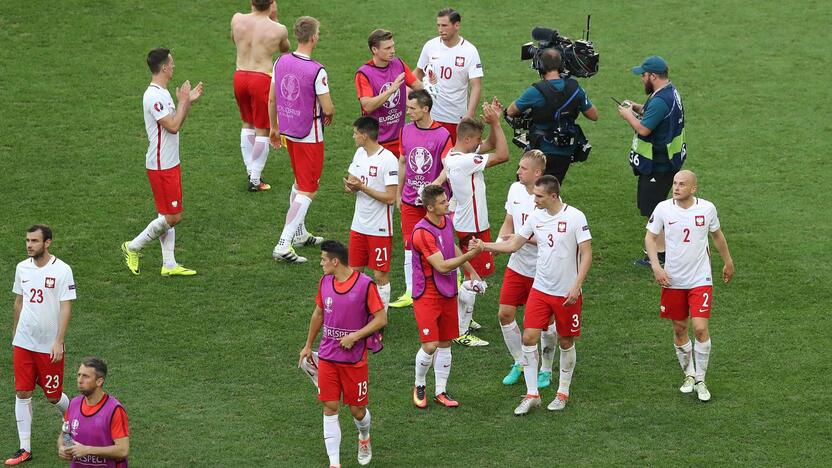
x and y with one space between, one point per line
206 365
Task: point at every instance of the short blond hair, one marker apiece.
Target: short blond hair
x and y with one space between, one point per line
536 157
305 29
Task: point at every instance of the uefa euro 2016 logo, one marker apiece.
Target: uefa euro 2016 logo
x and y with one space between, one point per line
393 100
328 305
420 160
290 87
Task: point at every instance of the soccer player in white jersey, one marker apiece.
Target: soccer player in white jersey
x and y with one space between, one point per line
44 290
373 178
455 64
687 285
520 271
163 120
465 166
564 255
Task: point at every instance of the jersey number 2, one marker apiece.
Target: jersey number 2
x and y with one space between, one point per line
687 235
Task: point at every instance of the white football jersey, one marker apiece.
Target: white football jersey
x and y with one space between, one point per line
557 238
687 257
520 205
454 68
42 289
465 174
377 171
162 146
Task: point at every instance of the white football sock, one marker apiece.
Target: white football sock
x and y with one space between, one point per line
442 369
408 269
514 340
363 425
332 439
168 241
423 362
63 404
259 156
294 217
23 414
156 228
685 355
246 143
465 312
301 230
567 366
548 343
384 292
530 369
702 352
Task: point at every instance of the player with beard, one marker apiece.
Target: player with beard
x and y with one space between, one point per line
95 422
44 290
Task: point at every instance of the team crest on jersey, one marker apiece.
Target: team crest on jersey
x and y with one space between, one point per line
290 87
420 160
373 171
158 107
328 305
49 283
460 61
700 220
561 226
393 100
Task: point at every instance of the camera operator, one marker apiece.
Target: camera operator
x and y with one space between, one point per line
659 149
550 97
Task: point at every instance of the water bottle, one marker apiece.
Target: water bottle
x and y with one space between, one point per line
67 435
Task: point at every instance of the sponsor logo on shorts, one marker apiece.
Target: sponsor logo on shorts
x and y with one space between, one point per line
702 310
700 220
419 160
574 330
174 203
362 399
561 226
426 331
662 308
49 283
460 61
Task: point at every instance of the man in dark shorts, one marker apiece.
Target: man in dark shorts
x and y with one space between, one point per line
658 150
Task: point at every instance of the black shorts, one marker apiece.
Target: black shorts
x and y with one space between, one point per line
557 165
652 190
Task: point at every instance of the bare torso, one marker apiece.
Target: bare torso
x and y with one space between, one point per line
257 38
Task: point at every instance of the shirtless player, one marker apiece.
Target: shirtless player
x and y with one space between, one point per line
257 36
